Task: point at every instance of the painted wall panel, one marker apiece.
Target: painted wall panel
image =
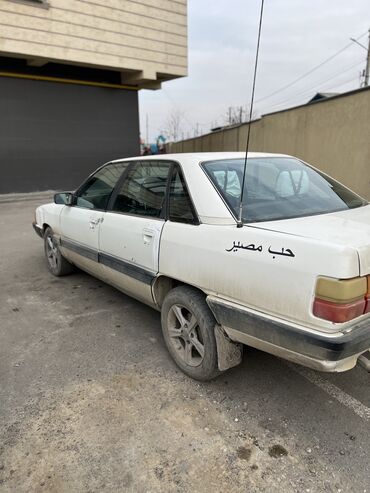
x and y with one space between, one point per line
52 135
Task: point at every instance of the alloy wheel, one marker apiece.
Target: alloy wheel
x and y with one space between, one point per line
51 252
185 335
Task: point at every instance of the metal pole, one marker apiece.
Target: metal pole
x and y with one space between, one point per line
367 70
147 129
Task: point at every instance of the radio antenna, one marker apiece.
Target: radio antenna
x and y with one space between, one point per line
240 218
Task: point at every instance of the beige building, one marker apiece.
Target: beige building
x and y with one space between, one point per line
145 42
76 58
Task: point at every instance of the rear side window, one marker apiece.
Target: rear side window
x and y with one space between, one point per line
278 188
143 190
181 209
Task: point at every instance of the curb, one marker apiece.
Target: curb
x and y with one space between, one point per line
22 197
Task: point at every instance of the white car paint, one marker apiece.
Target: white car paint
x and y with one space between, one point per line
349 228
135 240
279 287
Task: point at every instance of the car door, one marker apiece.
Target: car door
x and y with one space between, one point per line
131 231
80 223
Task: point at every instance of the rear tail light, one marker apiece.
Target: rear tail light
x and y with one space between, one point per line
367 297
341 300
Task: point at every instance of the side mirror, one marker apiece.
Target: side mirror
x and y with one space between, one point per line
64 198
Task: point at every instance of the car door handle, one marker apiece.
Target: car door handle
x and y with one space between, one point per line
94 222
148 235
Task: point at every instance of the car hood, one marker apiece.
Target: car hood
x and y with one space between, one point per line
348 228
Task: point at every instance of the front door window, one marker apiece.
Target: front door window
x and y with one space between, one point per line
96 191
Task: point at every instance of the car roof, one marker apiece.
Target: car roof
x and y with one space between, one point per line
191 157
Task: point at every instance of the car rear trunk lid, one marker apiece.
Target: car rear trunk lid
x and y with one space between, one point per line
348 228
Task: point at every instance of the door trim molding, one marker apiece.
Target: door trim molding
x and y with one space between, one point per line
139 273
82 250
144 275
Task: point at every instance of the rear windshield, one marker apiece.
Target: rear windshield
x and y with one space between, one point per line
278 188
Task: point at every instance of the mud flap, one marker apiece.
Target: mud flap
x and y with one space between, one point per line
229 353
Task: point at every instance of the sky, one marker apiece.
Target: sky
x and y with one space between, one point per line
297 35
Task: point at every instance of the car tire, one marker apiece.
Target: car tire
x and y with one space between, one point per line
58 265
188 331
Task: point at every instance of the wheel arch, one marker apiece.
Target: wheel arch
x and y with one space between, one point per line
162 285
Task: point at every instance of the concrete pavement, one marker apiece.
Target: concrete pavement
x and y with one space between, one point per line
90 400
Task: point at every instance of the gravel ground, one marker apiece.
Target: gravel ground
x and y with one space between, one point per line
90 400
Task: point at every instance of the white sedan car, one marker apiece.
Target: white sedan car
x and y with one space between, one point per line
293 281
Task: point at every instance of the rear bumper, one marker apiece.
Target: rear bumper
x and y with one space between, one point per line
322 351
38 229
